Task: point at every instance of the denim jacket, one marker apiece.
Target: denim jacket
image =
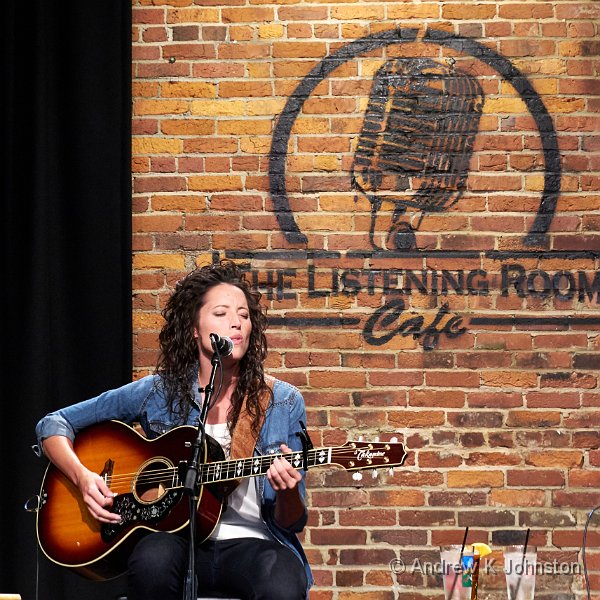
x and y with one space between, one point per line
143 401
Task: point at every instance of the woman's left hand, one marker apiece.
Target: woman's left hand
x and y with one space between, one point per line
281 475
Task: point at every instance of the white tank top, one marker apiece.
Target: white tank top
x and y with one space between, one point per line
242 517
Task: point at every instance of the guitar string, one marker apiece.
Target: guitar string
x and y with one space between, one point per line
209 470
231 465
126 487
216 466
175 483
250 462
263 461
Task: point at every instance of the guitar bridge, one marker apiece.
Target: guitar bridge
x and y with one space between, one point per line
107 471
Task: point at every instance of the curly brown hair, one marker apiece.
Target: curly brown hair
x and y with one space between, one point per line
178 361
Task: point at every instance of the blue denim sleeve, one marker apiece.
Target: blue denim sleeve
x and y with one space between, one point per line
298 413
123 404
293 400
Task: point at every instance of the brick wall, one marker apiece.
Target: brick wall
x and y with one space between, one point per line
414 188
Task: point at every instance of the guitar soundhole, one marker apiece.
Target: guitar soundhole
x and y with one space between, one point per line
154 480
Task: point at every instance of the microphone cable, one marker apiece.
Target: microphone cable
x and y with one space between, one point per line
217 393
585 529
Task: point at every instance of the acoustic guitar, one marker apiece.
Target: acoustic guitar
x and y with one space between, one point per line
148 477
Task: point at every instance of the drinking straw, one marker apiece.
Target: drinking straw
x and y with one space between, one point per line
526 540
462 549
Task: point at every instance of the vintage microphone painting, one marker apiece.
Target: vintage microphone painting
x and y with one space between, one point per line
415 145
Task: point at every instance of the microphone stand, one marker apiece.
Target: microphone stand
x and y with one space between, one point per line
191 487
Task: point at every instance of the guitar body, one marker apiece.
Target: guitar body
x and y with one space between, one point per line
146 477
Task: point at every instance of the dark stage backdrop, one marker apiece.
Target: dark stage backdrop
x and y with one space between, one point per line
66 260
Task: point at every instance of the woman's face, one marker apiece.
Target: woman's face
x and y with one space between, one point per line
225 312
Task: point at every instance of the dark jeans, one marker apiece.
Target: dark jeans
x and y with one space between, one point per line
245 568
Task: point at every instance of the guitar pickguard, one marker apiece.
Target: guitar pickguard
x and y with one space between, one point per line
134 512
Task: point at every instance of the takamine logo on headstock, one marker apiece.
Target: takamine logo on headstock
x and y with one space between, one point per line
365 453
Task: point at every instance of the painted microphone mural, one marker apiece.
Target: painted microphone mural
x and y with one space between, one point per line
410 156
415 145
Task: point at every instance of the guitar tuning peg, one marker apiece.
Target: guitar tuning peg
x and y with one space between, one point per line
357 476
391 470
360 438
394 440
376 438
374 473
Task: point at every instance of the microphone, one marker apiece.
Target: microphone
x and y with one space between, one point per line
222 345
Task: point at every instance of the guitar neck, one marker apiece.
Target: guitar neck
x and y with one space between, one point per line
352 456
258 465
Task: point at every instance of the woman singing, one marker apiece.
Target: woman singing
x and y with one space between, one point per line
253 551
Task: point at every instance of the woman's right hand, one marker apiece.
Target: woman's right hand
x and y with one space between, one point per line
95 493
97 496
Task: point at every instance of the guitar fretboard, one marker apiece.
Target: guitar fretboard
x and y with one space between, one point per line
258 465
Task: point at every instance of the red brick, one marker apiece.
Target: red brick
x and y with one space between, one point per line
555 458
553 400
338 536
538 477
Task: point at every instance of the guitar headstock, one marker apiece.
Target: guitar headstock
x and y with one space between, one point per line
358 455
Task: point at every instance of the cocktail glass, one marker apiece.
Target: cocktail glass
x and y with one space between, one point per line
519 569
460 571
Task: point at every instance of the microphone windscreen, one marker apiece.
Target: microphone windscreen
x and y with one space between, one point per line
222 345
418 135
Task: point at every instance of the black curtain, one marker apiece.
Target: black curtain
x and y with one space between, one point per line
66 251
